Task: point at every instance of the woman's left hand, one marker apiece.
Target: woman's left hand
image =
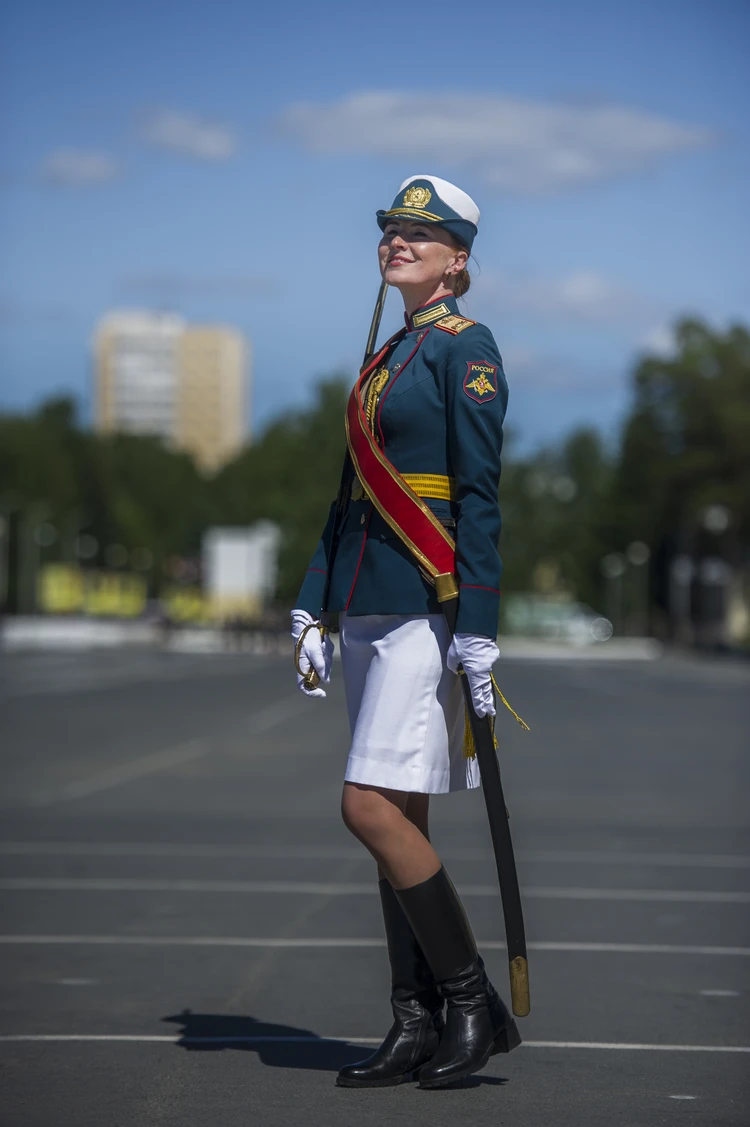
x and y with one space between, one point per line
477 654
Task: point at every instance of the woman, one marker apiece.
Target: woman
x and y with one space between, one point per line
434 404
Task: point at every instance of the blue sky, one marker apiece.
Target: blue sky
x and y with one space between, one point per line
225 160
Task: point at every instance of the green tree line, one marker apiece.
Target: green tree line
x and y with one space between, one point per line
685 446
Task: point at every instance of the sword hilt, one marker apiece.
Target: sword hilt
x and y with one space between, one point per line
310 679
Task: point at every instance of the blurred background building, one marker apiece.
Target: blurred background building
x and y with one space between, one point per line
157 375
211 394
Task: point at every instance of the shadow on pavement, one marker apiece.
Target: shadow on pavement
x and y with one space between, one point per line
471 1082
280 1046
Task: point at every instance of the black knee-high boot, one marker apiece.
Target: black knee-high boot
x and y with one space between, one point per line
417 1008
477 1022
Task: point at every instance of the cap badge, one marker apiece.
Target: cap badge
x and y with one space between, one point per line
417 197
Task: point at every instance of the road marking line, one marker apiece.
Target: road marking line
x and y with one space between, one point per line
337 942
657 895
128 772
162 760
272 715
353 888
720 993
176 1039
656 860
637 1047
356 853
639 948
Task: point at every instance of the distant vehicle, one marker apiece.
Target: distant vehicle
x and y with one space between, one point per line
534 616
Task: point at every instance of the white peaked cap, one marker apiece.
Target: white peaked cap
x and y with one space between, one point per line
459 201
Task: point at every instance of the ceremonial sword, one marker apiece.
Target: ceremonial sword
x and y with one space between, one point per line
311 679
372 336
347 473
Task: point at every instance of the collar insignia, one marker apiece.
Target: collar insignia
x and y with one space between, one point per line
429 315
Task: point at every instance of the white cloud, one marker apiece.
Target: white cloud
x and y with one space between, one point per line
581 297
76 168
188 135
660 341
517 144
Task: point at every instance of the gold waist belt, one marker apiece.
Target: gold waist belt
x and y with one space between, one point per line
433 485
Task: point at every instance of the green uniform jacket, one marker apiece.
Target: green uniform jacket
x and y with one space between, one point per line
441 412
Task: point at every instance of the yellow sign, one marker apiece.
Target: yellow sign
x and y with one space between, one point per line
60 589
65 589
190 604
114 593
185 604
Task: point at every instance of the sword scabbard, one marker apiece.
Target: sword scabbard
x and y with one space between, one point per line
502 844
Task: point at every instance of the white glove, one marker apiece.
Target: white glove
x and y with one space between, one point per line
477 655
316 652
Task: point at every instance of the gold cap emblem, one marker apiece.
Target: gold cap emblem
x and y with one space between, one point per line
417 197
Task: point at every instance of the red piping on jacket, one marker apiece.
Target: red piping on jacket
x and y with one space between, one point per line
359 561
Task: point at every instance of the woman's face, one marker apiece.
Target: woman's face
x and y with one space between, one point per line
418 254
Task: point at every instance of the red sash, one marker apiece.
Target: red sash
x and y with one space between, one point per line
397 503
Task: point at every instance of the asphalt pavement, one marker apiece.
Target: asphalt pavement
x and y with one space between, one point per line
190 937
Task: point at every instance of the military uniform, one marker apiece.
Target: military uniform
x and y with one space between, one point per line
429 413
438 417
436 406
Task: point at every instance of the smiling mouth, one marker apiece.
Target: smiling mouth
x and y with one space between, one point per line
397 262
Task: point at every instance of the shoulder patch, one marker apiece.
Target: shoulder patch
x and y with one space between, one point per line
480 381
453 324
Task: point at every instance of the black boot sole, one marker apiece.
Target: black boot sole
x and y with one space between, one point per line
390 1082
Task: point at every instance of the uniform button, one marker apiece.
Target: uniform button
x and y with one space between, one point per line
363 518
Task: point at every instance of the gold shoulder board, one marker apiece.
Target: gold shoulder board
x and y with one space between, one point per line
453 324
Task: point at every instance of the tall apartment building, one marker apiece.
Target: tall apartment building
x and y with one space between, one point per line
156 374
210 420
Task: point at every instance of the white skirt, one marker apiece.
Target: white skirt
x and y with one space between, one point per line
406 708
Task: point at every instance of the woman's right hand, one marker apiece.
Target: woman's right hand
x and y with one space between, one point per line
316 652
